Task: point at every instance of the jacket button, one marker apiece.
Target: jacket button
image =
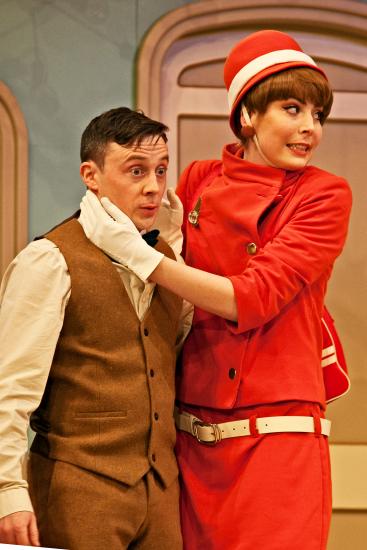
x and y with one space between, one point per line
146 332
156 416
151 372
232 373
251 249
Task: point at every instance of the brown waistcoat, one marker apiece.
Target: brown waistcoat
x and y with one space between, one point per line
108 403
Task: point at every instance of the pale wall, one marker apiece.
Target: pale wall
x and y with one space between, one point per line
66 61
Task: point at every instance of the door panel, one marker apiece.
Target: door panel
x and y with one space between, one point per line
13 178
186 91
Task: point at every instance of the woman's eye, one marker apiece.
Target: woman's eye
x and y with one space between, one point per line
292 109
319 115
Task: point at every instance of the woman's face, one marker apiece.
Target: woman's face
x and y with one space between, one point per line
288 133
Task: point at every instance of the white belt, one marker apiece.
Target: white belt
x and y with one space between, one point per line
206 432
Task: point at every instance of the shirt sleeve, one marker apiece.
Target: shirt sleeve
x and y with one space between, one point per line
33 296
303 250
187 314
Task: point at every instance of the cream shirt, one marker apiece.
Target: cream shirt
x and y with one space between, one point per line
33 296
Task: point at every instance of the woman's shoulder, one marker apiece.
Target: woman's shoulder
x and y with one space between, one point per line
319 182
314 173
196 174
202 168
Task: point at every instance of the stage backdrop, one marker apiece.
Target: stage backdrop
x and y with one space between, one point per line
61 63
179 74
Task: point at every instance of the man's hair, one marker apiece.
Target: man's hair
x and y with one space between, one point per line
304 84
120 125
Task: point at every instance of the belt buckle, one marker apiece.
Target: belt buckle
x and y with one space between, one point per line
216 432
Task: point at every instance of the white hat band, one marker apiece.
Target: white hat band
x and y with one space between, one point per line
259 64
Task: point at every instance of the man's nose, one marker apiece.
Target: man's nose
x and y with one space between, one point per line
151 184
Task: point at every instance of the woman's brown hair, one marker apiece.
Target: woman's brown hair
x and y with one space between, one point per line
304 84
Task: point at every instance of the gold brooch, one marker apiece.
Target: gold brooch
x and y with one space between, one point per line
193 216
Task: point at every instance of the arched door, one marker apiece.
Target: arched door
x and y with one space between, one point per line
179 81
13 178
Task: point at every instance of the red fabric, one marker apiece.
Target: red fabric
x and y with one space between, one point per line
335 374
250 48
299 223
267 492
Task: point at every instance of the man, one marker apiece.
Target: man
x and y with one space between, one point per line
88 350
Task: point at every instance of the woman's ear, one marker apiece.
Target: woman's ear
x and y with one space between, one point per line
89 174
247 129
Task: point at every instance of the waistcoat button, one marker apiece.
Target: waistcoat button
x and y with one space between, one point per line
146 332
156 416
251 249
154 457
232 373
151 372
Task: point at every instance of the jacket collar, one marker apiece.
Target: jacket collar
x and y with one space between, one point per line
237 167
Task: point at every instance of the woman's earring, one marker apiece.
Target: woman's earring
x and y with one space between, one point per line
247 131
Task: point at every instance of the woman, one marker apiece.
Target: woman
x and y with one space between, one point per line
262 231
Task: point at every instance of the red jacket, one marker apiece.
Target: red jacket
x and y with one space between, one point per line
276 235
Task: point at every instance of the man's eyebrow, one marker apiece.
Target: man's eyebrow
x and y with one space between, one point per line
144 157
136 157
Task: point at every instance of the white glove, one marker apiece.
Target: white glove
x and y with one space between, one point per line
111 230
169 221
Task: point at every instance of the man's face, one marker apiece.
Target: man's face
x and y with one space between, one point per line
133 178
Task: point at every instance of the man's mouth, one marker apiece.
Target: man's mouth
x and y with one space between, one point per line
149 210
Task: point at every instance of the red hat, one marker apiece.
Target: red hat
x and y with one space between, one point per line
257 56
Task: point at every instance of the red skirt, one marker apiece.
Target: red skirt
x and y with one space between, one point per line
265 492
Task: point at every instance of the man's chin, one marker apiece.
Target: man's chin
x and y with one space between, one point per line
145 224
141 226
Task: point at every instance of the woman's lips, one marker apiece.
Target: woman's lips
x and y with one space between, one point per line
300 149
